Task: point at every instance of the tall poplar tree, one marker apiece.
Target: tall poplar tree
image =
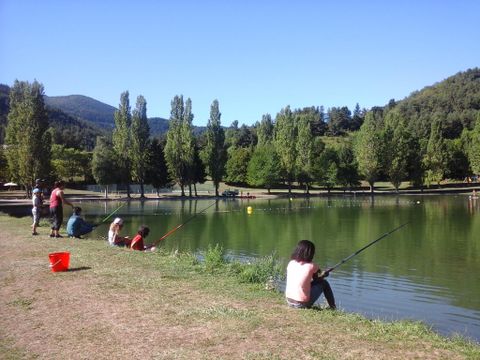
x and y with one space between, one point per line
474 151
27 139
140 140
369 149
179 148
265 130
214 153
304 150
397 148
285 144
435 158
173 146
122 139
188 145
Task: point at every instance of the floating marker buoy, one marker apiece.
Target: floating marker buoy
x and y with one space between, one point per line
249 210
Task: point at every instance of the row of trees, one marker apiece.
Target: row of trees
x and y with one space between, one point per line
134 156
289 149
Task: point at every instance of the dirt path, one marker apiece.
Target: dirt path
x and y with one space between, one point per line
116 304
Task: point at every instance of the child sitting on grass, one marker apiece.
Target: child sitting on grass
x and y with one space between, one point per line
114 238
305 281
137 241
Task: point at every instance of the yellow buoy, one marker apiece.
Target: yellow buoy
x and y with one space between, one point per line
249 210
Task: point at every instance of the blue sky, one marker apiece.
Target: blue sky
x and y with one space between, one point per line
255 57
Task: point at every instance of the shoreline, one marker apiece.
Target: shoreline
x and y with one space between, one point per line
18 197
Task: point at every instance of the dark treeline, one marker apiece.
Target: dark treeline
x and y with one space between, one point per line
432 135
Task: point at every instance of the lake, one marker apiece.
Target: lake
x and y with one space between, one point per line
429 270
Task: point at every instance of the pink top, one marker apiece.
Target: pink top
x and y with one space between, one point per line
55 200
299 278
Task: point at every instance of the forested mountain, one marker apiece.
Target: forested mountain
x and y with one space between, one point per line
66 129
101 114
454 101
73 132
158 126
83 107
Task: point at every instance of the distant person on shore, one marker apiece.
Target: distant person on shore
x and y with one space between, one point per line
76 226
137 241
305 280
114 238
36 209
39 184
57 200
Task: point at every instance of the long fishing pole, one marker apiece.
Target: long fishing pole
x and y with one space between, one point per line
363 248
113 212
182 224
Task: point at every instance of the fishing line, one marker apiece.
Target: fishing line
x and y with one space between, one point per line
363 248
182 224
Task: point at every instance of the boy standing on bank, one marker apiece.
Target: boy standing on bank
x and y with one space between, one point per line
36 209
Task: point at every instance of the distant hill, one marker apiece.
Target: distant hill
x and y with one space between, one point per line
455 100
101 114
83 107
158 126
69 130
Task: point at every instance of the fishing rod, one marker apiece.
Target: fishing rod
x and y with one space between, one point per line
363 248
113 212
182 224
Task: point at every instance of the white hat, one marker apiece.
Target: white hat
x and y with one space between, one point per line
118 221
36 190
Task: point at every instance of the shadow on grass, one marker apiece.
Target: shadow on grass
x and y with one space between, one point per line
81 268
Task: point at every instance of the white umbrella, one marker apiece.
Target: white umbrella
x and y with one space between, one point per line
10 184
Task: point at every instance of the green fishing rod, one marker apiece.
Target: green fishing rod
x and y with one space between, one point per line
113 212
363 248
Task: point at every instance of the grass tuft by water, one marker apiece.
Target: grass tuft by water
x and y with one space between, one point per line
214 259
265 270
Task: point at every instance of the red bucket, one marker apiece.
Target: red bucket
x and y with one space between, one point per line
59 261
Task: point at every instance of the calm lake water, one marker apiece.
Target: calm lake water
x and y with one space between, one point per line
429 270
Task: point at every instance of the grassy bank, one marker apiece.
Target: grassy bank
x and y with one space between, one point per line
115 303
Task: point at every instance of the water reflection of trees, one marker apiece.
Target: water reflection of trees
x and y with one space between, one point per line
438 247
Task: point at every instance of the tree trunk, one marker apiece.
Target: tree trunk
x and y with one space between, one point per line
190 190
183 189
195 189
142 191
106 192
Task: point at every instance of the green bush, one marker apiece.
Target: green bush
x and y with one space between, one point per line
260 271
214 258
